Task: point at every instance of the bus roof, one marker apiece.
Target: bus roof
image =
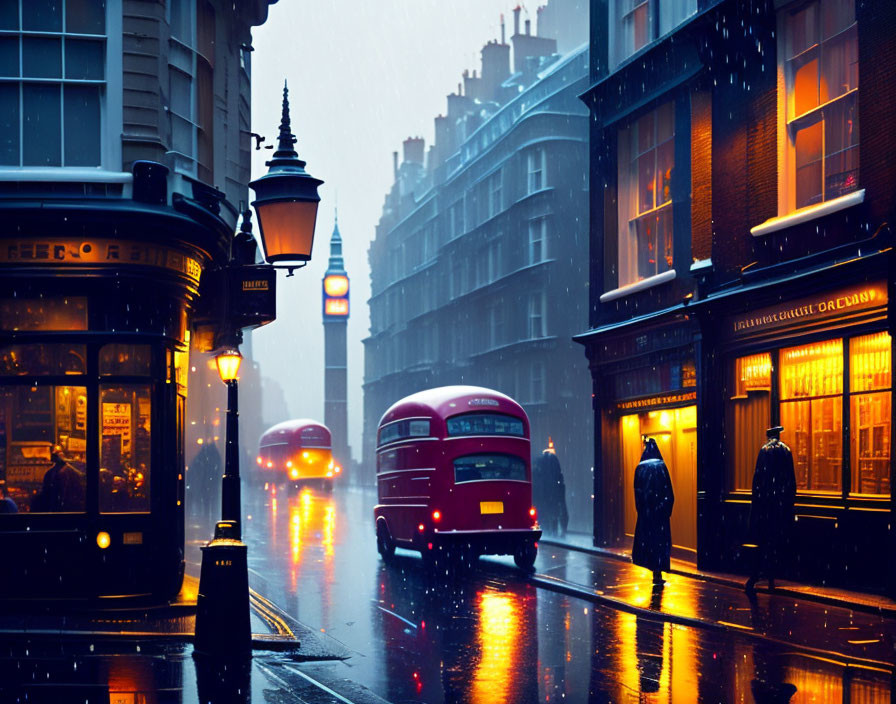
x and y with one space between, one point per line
288 427
449 400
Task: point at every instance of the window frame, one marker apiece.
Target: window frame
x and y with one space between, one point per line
629 214
789 124
110 99
536 162
94 383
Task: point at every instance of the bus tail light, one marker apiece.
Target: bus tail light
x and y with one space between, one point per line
533 512
437 515
258 459
421 527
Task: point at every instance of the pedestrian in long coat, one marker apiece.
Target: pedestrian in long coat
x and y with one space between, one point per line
549 492
771 512
653 501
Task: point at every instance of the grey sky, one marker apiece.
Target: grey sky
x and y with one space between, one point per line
362 77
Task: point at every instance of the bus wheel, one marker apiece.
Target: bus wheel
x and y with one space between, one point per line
384 543
524 557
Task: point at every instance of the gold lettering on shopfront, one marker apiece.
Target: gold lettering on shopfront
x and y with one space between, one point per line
255 285
100 251
868 296
654 401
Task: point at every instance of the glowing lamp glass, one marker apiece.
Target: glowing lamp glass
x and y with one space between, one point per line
229 362
287 229
103 539
336 285
294 474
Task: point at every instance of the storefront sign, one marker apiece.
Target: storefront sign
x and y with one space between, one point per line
818 307
117 421
641 404
98 251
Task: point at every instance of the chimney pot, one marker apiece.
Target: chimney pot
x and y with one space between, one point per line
528 26
395 164
516 20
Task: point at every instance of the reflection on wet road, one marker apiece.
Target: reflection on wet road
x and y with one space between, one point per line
491 636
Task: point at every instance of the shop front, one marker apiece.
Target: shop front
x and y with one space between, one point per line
95 306
645 387
820 366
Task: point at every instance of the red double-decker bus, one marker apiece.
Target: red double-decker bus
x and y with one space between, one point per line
296 452
453 477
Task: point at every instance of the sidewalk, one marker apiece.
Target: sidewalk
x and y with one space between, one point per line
857 629
133 652
860 601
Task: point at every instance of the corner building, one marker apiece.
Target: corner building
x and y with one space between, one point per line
478 267
123 162
741 271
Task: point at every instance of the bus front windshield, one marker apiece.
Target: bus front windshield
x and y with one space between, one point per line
485 424
491 466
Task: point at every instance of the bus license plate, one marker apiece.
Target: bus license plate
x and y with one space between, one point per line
491 507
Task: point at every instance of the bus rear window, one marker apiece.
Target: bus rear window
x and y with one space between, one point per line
474 468
485 424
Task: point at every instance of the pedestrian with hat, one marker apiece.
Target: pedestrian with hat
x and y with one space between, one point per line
771 511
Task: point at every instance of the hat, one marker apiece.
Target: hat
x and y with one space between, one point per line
774 432
58 454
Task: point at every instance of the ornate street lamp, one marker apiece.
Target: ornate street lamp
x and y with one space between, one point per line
286 201
286 204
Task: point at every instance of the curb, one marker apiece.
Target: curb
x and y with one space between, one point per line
577 591
886 611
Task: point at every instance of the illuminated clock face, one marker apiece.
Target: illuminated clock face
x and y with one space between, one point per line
336 285
336 306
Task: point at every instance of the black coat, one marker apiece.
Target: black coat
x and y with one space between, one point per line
774 493
549 492
653 501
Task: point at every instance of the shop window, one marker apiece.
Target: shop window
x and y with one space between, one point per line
125 360
43 314
43 360
811 390
819 45
125 461
646 163
870 383
35 421
748 417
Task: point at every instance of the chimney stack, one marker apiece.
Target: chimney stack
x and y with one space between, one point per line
503 40
516 20
528 27
413 150
395 165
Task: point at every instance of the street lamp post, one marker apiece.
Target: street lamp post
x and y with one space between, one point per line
286 203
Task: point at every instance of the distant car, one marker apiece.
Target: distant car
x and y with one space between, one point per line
453 477
297 452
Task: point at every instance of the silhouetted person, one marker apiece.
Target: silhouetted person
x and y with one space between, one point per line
653 502
549 492
771 512
7 505
63 488
205 480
